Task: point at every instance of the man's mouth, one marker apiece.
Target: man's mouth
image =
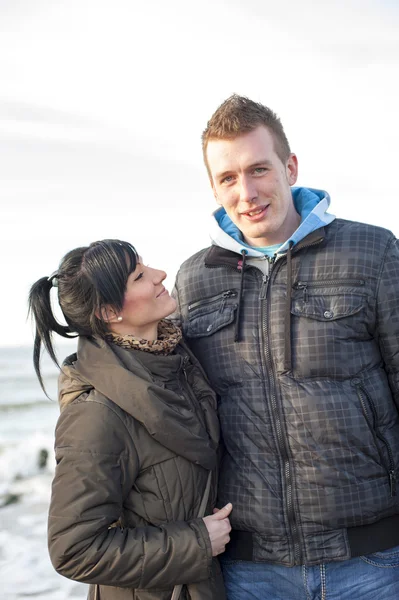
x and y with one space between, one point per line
256 212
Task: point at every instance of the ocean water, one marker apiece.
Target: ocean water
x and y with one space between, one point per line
27 422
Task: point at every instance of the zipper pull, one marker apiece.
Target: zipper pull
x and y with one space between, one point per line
222 304
301 285
392 483
262 294
228 294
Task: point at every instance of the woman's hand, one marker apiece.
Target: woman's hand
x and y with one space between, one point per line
218 526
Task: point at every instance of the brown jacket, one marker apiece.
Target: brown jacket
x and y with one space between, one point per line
136 438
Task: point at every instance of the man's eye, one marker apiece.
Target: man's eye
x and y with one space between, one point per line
139 276
260 170
227 179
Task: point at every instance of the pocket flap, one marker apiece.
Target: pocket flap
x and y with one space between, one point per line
202 325
327 308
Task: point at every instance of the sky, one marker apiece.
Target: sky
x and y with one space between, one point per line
102 106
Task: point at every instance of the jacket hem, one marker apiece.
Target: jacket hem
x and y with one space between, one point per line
362 540
379 536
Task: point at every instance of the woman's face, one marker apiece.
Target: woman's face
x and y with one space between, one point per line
146 303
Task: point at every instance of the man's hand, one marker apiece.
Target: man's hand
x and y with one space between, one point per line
218 526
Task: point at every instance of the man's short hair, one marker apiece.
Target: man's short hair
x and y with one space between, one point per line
238 115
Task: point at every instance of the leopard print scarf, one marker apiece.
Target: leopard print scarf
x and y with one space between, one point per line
168 337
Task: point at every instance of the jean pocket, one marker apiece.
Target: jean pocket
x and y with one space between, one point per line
384 559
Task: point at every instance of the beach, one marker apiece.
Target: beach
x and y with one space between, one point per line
27 422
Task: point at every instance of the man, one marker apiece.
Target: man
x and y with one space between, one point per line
295 317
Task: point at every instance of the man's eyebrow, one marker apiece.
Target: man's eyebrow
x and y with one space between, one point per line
223 174
259 163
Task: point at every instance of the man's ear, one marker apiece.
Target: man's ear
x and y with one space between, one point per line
292 169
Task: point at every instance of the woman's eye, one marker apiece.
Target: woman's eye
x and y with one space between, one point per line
139 276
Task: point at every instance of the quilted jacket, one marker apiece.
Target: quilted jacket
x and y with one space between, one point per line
135 441
305 358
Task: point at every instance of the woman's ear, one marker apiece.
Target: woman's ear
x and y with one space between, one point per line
107 314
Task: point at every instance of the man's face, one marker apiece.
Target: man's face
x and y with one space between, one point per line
253 185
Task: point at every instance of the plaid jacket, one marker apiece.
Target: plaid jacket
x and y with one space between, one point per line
308 396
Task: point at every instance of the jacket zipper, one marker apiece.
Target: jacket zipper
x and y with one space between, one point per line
222 296
288 480
305 285
263 289
276 414
367 404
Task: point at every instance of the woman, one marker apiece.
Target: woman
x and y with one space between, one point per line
137 437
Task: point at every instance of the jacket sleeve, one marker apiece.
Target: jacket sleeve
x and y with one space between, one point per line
388 316
96 467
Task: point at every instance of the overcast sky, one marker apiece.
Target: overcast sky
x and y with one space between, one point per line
102 105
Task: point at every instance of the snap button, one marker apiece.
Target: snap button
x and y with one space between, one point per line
210 327
328 314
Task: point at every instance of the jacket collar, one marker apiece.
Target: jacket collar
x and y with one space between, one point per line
220 257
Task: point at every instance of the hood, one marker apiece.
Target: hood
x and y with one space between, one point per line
310 203
124 380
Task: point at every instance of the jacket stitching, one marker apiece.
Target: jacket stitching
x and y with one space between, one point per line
181 485
161 494
67 449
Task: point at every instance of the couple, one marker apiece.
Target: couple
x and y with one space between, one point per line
294 317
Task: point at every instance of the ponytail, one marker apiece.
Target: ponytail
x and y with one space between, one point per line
45 323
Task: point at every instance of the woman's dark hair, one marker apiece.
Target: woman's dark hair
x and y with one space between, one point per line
89 279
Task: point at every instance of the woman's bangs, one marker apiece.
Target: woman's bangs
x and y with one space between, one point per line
131 257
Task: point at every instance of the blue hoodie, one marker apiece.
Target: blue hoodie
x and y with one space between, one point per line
311 204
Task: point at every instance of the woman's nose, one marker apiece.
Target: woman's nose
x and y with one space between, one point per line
159 275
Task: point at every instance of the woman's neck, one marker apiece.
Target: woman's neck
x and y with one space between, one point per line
148 332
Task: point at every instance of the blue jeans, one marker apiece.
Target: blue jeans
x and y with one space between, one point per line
372 577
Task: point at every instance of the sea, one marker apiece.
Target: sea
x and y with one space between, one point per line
27 423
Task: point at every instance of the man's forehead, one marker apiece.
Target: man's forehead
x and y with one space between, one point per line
225 155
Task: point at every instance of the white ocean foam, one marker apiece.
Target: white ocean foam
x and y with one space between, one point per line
27 422
20 462
25 567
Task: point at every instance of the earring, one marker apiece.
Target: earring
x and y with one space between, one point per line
119 319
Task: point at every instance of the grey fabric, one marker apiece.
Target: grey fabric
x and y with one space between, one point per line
314 450
135 441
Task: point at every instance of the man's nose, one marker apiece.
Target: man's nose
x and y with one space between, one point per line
248 191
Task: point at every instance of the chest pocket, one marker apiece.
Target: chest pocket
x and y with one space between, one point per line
328 300
330 320
209 315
